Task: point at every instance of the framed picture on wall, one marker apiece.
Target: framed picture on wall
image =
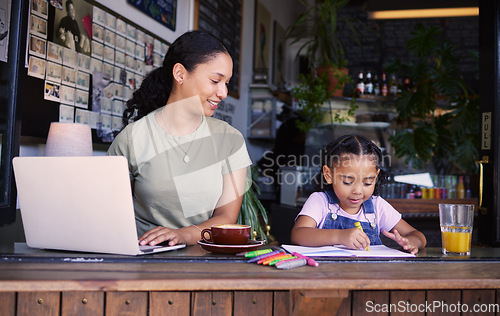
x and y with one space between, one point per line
82 80
67 95
40 8
66 114
279 55
54 52
37 46
72 26
97 33
69 76
262 39
52 91
82 116
54 72
38 26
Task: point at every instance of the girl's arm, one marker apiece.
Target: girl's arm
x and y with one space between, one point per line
226 212
407 237
305 233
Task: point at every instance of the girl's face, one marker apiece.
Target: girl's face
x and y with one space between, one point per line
209 81
353 180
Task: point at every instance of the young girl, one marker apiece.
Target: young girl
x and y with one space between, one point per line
353 177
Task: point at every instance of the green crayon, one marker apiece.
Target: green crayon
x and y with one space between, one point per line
255 253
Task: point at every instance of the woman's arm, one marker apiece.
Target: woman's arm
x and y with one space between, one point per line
305 233
226 212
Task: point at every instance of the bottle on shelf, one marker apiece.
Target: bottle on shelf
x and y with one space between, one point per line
468 190
384 89
360 84
376 85
460 188
369 83
418 192
393 88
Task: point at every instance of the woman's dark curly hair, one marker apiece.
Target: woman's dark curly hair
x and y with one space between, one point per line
351 145
190 49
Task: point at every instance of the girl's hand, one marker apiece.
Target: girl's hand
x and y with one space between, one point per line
160 234
354 238
402 241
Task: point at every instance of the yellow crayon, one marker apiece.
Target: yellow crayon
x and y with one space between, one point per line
358 226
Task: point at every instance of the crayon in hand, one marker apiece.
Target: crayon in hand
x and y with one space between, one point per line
358 226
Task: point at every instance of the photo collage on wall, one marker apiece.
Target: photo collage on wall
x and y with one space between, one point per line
91 61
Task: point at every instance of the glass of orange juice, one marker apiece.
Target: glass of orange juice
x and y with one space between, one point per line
456 222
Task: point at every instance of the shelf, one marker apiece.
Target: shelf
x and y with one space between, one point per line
426 205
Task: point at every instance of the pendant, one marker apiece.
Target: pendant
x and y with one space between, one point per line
334 216
186 159
373 225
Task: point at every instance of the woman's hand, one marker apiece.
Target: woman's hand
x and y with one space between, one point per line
354 238
160 234
402 241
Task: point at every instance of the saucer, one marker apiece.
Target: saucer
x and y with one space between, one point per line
230 249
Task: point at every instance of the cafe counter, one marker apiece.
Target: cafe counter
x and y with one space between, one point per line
192 281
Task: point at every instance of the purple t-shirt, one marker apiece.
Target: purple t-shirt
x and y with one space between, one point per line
317 207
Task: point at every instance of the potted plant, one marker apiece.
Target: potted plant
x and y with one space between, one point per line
439 111
316 31
252 211
312 95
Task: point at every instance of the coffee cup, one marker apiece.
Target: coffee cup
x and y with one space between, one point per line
227 234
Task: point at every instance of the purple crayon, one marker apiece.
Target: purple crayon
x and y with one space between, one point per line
255 259
290 264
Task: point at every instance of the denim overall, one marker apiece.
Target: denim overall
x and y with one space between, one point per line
342 222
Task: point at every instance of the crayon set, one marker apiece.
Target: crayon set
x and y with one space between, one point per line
279 258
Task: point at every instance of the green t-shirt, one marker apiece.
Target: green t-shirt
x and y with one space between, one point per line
167 191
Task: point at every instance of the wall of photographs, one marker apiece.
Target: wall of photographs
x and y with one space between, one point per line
87 61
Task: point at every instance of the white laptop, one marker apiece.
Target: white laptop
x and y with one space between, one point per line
79 204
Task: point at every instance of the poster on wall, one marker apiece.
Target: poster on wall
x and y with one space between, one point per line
4 29
163 11
73 26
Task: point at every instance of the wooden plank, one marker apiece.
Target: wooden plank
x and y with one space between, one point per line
281 304
370 302
212 303
82 303
8 303
253 303
126 303
201 302
38 303
169 303
182 276
482 299
442 301
407 303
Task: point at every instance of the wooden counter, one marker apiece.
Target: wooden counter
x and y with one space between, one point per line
194 282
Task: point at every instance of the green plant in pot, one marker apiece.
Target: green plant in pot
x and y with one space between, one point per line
315 31
252 211
439 113
312 95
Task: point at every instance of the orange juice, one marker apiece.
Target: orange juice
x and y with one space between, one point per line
456 239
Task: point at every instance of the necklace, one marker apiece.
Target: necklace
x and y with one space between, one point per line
186 156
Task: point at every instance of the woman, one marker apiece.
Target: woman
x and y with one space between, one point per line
188 170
